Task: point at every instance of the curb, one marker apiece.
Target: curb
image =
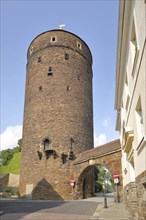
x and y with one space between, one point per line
1 212
97 212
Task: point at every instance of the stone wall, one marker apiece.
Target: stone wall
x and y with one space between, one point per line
4 180
135 197
10 179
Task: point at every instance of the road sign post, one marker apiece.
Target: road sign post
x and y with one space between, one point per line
116 181
72 183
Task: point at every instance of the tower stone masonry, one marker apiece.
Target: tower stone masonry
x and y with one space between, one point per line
58 113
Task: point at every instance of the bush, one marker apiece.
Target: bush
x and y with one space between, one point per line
10 190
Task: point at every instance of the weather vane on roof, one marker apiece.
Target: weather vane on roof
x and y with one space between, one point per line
61 26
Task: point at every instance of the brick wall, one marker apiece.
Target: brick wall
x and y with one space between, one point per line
58 107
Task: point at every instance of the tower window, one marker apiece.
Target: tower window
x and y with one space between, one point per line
79 45
40 88
50 71
53 39
39 59
66 56
68 88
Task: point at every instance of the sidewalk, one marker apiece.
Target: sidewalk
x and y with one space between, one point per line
115 211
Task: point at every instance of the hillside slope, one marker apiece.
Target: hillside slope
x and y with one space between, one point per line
13 166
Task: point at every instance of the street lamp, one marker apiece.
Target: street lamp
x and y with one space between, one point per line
105 188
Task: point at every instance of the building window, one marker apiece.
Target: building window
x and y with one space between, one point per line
134 49
50 73
53 39
39 59
125 162
139 121
66 56
127 102
132 170
79 45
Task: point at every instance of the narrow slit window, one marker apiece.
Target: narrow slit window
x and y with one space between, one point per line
40 88
53 39
68 88
66 56
39 59
79 45
50 71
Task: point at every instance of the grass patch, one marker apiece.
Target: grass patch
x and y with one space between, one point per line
13 166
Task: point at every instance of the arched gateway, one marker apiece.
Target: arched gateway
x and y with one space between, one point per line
108 155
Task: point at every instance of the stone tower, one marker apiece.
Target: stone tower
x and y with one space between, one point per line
58 117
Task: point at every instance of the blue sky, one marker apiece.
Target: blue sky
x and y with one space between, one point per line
96 22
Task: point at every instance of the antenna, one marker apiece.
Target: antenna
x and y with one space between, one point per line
61 26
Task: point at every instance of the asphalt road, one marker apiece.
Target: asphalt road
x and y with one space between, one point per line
59 210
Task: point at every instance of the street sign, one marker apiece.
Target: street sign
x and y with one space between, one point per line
116 175
72 180
116 181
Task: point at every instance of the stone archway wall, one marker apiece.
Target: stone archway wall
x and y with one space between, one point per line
112 161
85 184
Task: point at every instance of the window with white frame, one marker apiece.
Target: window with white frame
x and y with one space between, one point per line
133 47
132 170
139 120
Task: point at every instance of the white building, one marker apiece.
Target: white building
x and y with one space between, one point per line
130 102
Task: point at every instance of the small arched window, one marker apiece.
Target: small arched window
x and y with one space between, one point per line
46 144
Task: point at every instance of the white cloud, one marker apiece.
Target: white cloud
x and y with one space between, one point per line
10 137
99 140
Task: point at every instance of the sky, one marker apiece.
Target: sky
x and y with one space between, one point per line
96 22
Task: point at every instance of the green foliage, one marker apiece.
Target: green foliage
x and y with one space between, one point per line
98 187
8 189
7 155
103 178
13 166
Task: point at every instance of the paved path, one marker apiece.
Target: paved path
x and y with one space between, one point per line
47 210
87 209
114 212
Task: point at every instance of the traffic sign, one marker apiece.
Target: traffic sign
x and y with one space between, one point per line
116 175
116 181
72 180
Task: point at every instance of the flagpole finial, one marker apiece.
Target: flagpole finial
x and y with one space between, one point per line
61 26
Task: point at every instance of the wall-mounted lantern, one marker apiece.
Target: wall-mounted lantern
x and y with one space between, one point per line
71 154
63 158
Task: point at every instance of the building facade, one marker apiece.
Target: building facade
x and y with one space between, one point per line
130 103
58 113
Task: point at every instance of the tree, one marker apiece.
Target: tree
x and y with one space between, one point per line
102 177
